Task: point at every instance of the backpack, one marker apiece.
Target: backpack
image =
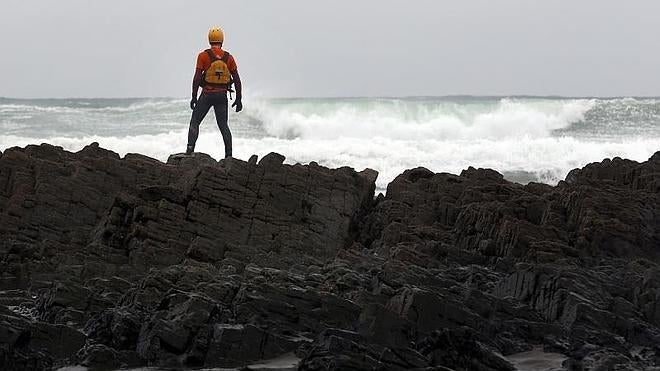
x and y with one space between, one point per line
217 75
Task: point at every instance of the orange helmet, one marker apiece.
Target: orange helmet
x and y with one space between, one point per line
216 35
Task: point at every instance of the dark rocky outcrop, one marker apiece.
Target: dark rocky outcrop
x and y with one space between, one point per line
112 262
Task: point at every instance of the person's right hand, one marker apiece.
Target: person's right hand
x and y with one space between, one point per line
193 103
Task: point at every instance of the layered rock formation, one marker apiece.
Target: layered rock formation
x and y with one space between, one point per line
112 262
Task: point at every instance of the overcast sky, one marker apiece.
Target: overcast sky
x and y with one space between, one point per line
147 48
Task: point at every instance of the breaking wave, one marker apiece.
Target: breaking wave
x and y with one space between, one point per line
414 120
546 160
526 139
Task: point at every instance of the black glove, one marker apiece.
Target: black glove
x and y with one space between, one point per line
193 103
238 104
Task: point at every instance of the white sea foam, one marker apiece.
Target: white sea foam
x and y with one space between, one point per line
414 121
550 159
85 107
537 360
542 138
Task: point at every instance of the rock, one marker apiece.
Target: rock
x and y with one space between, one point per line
205 250
93 150
272 160
458 348
191 160
110 262
99 356
238 345
28 345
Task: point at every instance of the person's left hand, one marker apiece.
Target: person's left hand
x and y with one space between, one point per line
193 103
238 104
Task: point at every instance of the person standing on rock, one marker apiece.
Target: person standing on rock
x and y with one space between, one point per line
215 73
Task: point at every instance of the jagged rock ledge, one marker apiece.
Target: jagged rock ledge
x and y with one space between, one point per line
111 262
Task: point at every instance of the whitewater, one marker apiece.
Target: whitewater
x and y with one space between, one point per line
525 138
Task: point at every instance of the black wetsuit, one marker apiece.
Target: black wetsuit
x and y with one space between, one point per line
220 105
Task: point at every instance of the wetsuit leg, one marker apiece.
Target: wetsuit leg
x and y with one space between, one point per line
221 116
201 109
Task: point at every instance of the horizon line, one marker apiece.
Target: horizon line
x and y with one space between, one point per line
492 96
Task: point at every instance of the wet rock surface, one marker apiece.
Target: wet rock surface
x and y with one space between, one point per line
110 262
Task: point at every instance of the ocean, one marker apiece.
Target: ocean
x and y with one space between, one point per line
525 138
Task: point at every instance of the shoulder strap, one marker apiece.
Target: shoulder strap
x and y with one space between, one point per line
212 55
225 57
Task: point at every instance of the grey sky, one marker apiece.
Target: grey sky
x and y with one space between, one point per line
122 48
